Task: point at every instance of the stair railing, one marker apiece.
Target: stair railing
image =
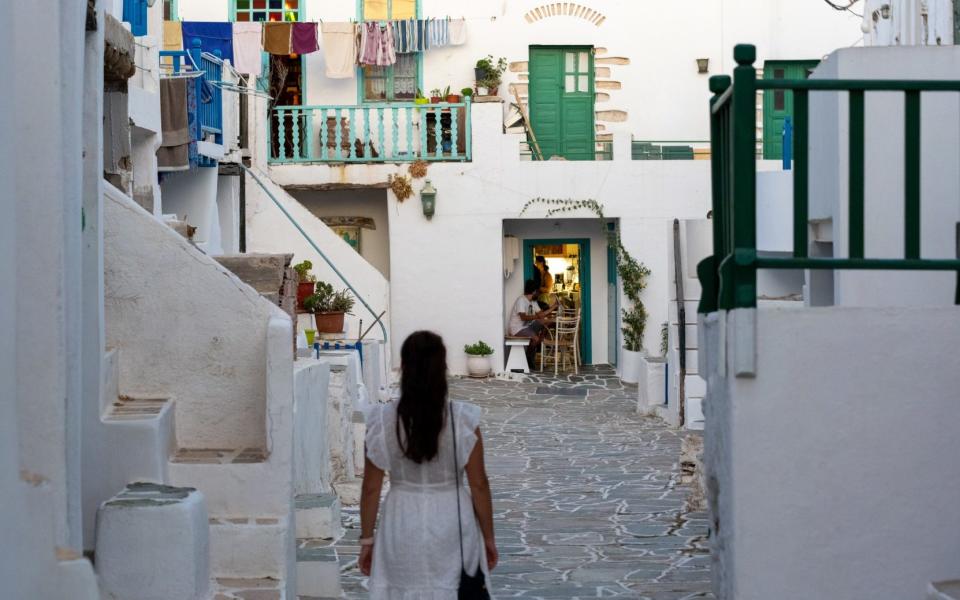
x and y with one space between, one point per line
314 245
681 323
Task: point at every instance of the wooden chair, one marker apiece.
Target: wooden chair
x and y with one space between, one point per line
563 344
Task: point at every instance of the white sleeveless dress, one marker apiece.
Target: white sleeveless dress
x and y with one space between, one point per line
416 554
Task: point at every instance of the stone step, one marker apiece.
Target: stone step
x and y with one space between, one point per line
126 408
944 590
251 547
318 569
152 542
317 516
219 456
270 274
247 588
236 482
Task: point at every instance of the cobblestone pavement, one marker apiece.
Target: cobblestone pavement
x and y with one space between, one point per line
587 497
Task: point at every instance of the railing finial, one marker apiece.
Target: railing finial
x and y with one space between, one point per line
720 83
745 54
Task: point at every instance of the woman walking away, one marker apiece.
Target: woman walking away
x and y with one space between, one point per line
421 548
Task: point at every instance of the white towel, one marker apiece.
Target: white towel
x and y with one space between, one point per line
458 32
247 49
339 50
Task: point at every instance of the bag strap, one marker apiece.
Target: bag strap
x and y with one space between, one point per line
457 479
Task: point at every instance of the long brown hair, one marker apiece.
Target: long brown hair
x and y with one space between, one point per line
423 395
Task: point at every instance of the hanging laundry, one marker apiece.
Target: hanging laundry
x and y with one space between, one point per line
304 38
458 32
386 55
174 151
276 37
370 39
247 49
193 123
172 36
339 50
213 36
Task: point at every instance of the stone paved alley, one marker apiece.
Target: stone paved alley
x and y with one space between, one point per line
587 495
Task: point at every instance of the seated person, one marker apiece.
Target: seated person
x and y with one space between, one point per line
528 320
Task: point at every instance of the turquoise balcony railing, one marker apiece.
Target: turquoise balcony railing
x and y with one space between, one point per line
370 133
209 96
729 276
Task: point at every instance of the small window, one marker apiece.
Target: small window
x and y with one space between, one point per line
266 10
170 12
400 81
576 66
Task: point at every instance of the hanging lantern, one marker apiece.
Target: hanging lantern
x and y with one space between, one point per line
428 197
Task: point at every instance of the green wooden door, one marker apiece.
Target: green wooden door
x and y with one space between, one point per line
778 104
562 101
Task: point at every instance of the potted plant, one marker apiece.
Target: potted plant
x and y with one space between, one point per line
478 359
306 282
329 307
451 97
435 96
420 98
489 74
633 276
467 92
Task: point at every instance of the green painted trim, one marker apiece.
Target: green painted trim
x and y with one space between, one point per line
175 10
586 287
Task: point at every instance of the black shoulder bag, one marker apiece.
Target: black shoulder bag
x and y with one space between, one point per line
472 587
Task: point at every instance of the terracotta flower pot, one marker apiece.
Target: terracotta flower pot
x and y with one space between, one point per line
329 322
435 99
305 289
454 99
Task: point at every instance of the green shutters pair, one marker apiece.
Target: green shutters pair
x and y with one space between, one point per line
778 104
562 101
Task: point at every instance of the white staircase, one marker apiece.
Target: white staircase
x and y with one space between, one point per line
694 241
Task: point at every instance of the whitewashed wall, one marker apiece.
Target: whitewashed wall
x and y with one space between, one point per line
163 302
940 188
829 472
445 272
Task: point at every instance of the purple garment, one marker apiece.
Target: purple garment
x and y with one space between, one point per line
304 38
370 47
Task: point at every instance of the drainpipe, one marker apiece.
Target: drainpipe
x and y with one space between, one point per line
956 22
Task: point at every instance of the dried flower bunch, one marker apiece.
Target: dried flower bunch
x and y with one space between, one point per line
401 187
418 169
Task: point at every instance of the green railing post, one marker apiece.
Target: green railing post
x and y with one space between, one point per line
801 172
744 122
912 175
855 214
707 269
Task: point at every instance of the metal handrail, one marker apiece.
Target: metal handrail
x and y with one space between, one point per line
313 244
681 322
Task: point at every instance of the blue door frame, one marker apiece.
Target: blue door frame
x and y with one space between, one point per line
586 348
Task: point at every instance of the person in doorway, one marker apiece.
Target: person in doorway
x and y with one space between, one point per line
425 441
546 297
528 320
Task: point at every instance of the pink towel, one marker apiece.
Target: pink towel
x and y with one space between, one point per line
304 38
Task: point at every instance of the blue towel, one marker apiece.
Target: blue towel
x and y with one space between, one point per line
213 36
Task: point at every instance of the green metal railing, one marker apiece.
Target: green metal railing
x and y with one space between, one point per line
729 277
371 133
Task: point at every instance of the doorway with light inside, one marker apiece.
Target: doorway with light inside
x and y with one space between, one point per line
569 263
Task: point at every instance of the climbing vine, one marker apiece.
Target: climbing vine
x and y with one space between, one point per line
633 273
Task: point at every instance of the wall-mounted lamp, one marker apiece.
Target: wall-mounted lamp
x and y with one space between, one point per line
885 11
703 65
428 197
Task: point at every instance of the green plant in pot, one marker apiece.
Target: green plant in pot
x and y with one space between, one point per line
329 307
435 97
466 92
420 98
489 74
478 359
306 282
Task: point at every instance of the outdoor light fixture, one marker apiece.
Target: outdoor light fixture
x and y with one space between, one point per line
703 65
428 197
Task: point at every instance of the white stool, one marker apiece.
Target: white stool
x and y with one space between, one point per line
517 355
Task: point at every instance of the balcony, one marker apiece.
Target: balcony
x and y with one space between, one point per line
209 94
383 133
